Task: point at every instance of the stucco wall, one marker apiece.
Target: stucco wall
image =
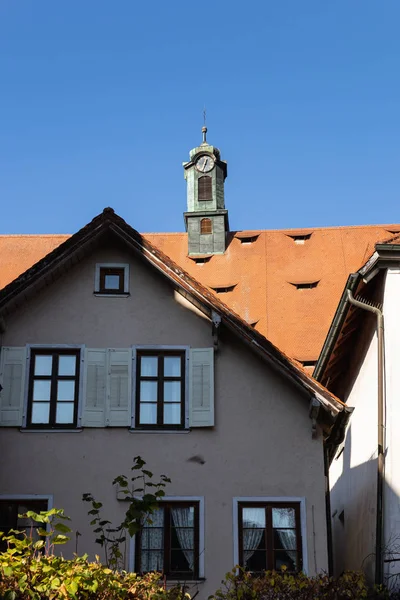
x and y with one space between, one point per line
392 471
261 444
353 474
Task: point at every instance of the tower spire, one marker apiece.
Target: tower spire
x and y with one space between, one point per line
204 128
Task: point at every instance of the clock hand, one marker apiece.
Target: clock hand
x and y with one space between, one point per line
205 164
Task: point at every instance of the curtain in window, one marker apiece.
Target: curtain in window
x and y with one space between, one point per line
183 522
152 542
285 518
251 534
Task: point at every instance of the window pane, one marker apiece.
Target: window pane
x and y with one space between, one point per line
66 365
287 558
152 561
254 539
148 366
148 391
172 414
172 366
41 390
148 414
111 282
183 516
65 412
172 391
43 364
182 560
283 517
183 538
65 390
153 538
255 561
157 518
40 412
254 517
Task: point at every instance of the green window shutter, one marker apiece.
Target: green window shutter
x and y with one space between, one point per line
12 379
94 399
119 387
201 387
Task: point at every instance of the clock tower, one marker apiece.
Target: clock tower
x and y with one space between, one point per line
206 219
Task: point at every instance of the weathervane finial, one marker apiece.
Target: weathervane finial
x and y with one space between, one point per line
204 128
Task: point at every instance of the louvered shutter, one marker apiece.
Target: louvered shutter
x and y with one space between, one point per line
119 387
12 380
201 387
94 398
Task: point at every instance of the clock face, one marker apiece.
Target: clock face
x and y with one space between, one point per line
205 163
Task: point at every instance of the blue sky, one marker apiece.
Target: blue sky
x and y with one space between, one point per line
101 101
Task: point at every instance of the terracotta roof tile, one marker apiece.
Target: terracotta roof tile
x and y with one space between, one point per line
296 321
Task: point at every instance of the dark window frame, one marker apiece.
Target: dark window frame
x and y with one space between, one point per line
160 378
269 530
167 505
206 223
204 188
104 272
35 504
53 378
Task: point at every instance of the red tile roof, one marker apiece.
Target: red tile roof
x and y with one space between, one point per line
295 320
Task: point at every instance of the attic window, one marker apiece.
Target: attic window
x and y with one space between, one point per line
300 238
111 279
308 363
201 259
247 237
304 285
204 188
223 289
248 240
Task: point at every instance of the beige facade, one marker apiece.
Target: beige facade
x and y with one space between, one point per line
260 447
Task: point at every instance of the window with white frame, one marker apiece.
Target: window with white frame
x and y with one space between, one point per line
171 542
269 535
111 279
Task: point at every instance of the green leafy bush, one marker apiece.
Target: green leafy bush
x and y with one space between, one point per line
29 570
272 585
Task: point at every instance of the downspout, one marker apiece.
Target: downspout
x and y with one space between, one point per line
381 438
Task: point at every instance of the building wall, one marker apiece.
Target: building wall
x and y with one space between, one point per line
392 471
353 475
261 444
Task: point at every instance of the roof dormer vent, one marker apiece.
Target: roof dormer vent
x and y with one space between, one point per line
301 237
304 285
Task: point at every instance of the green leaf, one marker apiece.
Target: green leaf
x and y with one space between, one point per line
10 595
61 527
60 539
7 571
55 584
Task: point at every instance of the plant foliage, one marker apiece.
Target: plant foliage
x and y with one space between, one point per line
141 505
272 585
29 569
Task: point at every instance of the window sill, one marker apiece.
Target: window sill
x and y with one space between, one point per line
27 430
100 295
179 431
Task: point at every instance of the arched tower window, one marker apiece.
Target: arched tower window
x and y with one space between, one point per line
205 188
206 226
